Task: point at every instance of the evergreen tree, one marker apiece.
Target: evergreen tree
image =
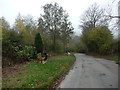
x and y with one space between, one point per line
38 43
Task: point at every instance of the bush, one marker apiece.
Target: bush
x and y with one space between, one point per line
10 40
115 46
97 40
100 39
14 51
105 49
26 54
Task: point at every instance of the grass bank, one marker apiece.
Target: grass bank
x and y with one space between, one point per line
109 57
35 75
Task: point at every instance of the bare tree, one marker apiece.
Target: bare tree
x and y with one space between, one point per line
94 16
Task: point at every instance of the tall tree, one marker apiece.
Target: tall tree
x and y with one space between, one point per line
26 26
52 21
4 25
66 31
30 24
30 29
5 30
19 24
94 16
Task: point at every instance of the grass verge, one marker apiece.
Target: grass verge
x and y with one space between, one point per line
112 57
35 75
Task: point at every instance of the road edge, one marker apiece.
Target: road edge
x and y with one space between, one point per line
62 77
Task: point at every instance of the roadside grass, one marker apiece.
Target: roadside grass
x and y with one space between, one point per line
116 59
0 83
112 57
35 75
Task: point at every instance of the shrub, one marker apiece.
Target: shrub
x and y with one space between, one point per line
97 40
104 49
10 40
26 54
38 43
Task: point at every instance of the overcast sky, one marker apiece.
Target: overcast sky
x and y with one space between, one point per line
75 8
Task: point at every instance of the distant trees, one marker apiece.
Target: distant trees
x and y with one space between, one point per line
19 24
26 27
74 43
54 23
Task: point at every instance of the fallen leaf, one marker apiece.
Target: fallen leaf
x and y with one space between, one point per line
38 85
33 87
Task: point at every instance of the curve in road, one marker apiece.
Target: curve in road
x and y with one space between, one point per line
91 72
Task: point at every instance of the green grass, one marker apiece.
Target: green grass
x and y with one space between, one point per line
0 83
109 57
116 58
39 75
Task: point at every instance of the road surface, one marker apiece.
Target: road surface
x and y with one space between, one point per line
91 72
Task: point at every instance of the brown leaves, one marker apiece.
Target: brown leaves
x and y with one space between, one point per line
33 87
39 85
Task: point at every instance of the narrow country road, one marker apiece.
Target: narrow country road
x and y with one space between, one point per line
91 72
